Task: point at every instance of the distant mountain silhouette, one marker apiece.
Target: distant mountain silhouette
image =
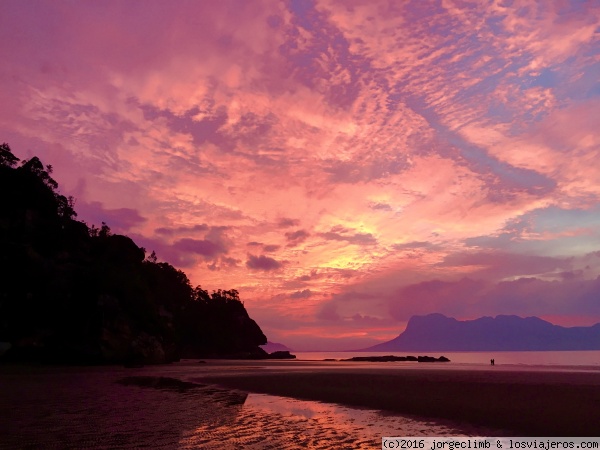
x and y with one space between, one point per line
436 332
71 293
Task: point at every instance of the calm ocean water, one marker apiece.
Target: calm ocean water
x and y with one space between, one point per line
577 359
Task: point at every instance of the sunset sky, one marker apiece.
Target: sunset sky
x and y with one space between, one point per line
343 164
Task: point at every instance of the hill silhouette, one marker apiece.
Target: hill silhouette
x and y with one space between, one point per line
436 332
79 294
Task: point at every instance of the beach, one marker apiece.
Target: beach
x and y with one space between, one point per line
286 404
521 401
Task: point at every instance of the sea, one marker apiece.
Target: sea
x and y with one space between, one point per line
167 407
569 360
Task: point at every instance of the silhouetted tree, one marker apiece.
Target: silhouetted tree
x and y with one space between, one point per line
71 292
6 156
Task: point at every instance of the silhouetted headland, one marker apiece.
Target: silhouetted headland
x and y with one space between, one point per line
72 293
436 332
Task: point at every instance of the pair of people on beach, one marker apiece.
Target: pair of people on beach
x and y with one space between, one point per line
492 362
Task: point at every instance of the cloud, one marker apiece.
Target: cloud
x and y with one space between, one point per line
371 146
223 262
470 298
306 293
329 313
296 237
446 297
412 245
265 247
171 231
287 222
341 234
119 219
500 264
380 207
203 247
263 262
271 248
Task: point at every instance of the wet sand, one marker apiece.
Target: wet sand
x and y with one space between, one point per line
525 402
218 404
171 407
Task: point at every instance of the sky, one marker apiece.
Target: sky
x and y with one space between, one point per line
343 164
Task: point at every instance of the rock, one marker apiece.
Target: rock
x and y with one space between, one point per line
283 354
432 359
387 358
392 358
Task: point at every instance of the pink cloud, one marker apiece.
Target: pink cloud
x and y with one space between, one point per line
262 262
374 147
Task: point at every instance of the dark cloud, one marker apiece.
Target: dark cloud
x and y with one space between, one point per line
446 297
380 207
170 231
271 248
306 293
296 237
266 247
203 247
206 130
524 296
230 262
314 275
502 264
365 320
286 223
329 312
223 263
262 262
571 275
412 245
166 252
357 238
120 220
366 169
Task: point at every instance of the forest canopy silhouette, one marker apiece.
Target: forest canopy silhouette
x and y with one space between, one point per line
75 293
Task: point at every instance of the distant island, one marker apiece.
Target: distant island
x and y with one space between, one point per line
78 294
436 332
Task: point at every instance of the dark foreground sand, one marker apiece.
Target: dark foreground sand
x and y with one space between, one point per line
521 402
161 407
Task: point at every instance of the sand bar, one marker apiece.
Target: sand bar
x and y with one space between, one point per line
525 402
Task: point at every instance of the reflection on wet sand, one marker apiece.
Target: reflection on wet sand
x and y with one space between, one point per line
164 407
267 421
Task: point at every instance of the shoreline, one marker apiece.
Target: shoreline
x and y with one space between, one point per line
521 402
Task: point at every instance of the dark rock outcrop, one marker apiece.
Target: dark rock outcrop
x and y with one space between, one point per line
271 347
392 358
283 354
